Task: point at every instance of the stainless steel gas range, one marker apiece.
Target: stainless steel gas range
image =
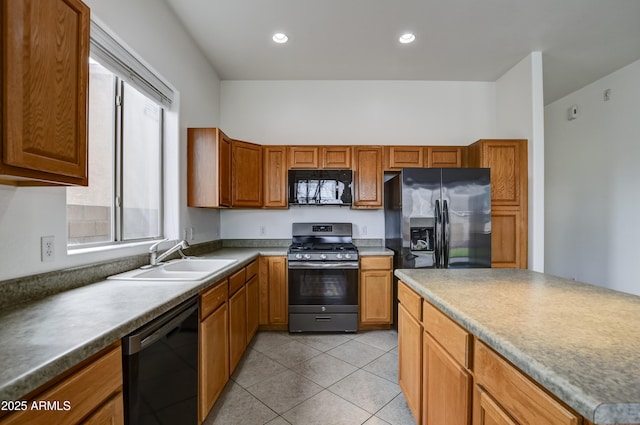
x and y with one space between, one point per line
323 278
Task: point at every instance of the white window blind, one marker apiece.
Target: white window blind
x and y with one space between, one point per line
111 54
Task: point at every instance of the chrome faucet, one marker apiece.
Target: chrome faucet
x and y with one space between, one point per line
157 259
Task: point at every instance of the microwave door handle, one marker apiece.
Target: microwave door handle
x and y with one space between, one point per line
438 235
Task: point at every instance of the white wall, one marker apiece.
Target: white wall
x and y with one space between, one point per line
150 29
350 113
592 175
519 115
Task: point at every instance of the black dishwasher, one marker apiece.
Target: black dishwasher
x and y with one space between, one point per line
160 366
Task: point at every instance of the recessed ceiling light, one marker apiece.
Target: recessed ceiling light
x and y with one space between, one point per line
280 37
407 38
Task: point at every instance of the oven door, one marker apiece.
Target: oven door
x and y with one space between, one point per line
323 287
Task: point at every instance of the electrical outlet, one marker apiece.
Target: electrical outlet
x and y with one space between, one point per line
263 230
47 248
363 231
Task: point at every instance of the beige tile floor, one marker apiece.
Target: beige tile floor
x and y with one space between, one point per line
315 379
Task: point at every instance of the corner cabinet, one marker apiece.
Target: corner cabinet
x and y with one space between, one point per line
367 177
44 68
507 160
208 168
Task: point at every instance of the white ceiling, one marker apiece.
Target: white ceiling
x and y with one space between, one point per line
460 40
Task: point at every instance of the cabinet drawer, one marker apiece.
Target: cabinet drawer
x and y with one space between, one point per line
454 339
517 394
213 298
85 390
237 281
375 263
252 270
410 300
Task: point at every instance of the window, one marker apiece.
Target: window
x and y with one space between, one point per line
123 201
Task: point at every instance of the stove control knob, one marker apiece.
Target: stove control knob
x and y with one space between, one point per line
339 256
298 256
347 256
323 256
307 256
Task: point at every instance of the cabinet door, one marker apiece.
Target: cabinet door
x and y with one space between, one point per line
410 360
253 306
44 97
214 358
246 174
444 156
275 176
397 157
336 157
278 302
224 170
303 157
508 246
447 387
491 413
208 168
375 297
237 327
507 160
367 166
273 292
110 413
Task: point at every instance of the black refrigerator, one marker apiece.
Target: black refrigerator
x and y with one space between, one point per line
438 218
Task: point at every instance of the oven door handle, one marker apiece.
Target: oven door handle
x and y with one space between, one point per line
323 265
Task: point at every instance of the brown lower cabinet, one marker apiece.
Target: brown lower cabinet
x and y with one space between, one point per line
214 346
274 311
93 390
375 292
449 376
410 348
228 314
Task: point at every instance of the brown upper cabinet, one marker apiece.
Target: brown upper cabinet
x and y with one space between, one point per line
444 156
208 168
367 177
319 157
397 157
275 176
336 156
44 68
303 157
246 174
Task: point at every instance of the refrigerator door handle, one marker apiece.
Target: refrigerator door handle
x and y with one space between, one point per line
438 236
446 231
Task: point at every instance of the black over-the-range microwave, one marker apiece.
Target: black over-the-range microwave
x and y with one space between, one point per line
320 187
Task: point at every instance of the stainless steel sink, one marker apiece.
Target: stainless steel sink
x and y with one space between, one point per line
187 269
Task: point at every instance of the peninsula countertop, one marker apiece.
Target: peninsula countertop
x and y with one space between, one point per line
581 342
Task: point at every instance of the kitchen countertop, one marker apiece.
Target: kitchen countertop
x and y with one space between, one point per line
578 341
45 337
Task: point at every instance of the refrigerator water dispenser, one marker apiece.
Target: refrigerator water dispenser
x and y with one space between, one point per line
422 233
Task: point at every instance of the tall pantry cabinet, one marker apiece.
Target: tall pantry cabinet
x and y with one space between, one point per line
507 160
